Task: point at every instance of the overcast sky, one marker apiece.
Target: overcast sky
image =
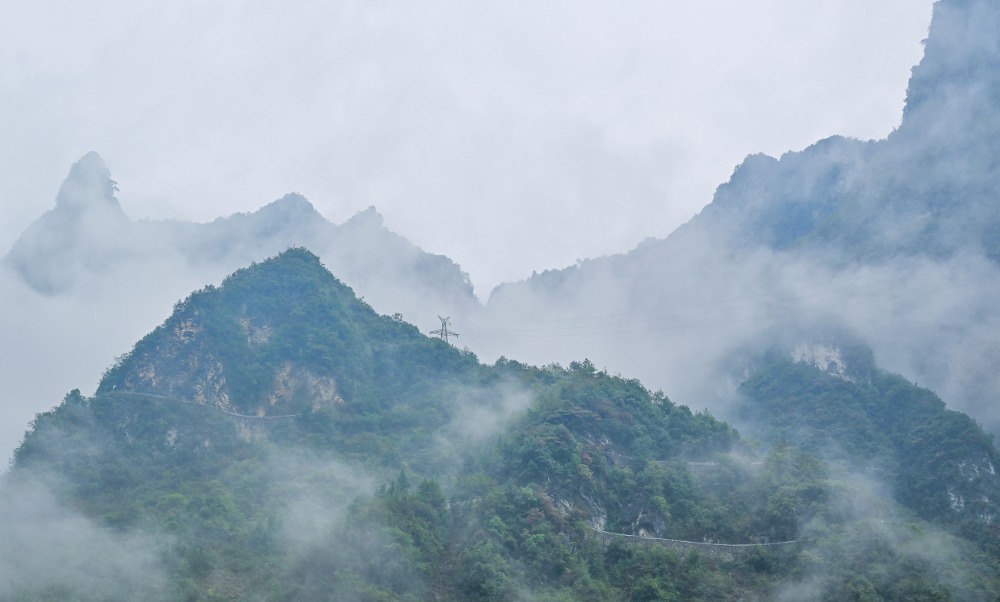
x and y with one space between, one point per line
511 136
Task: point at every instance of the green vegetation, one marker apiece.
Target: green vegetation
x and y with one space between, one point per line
931 456
275 439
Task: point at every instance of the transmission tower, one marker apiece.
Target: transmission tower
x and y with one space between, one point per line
444 333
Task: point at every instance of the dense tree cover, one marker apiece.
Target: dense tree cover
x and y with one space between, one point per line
278 440
932 456
936 463
284 337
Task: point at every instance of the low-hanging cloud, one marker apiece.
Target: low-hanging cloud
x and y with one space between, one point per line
313 489
869 542
678 325
478 416
50 551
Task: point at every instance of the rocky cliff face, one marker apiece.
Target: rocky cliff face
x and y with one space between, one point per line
188 362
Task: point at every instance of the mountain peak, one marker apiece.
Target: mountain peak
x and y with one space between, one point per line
280 337
87 229
291 205
369 218
88 185
228 337
960 70
294 260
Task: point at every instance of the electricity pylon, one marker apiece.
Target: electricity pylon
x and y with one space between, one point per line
443 333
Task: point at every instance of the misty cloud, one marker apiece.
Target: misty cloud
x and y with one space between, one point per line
50 551
678 325
869 524
315 491
478 416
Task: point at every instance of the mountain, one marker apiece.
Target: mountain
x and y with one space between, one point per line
87 236
277 439
894 239
84 232
928 189
84 281
285 338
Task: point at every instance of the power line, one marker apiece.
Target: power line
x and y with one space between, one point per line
906 275
615 328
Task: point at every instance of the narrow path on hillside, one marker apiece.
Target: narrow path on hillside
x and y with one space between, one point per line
210 407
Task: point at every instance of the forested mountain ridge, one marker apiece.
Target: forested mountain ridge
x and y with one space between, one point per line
276 439
278 333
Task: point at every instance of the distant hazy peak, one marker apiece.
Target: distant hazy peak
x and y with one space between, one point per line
369 218
292 203
88 186
85 232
